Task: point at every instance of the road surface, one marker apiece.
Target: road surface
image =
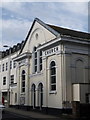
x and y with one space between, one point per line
13 116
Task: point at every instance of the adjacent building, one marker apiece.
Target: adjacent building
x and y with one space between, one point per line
50 69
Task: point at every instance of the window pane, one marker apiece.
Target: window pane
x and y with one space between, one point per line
52 63
23 77
35 68
4 80
35 54
33 87
40 53
35 61
12 79
3 67
53 87
15 97
23 84
6 66
40 59
40 67
23 72
34 48
53 79
10 64
23 81
23 89
14 64
53 75
53 71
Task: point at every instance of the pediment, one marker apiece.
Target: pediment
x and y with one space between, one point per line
39 33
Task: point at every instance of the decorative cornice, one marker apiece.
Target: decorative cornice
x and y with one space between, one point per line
49 43
75 40
22 56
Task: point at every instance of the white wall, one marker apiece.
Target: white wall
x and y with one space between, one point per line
76 92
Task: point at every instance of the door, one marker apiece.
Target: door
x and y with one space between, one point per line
40 95
33 94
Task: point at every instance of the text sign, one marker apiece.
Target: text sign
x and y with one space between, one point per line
51 51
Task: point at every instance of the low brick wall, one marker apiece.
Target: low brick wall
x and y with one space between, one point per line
80 110
76 109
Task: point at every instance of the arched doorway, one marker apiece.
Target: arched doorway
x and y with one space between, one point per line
40 95
33 94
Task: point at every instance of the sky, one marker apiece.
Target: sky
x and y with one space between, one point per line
17 16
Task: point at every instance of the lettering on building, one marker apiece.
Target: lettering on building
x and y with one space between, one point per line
51 51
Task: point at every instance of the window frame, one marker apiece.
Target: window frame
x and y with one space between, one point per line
23 81
53 76
6 66
11 64
35 62
4 80
14 64
3 67
15 97
40 58
12 79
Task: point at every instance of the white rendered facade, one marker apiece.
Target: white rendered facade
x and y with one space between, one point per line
52 69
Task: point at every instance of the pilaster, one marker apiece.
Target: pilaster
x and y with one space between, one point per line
38 61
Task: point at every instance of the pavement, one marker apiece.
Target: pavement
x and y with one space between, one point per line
37 115
42 116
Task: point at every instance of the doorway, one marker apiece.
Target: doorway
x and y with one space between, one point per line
33 94
40 95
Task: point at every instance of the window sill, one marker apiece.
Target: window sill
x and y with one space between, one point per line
36 74
22 93
53 92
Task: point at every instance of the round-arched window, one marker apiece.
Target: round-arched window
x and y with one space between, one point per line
52 76
23 81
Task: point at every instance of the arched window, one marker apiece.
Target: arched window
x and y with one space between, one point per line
35 59
53 76
40 95
40 60
23 81
33 95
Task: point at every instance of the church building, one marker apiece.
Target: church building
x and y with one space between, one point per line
49 70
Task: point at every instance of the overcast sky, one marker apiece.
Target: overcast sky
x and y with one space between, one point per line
17 17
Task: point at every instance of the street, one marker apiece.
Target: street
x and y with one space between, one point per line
13 116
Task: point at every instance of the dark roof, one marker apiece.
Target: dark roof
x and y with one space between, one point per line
11 50
57 31
69 32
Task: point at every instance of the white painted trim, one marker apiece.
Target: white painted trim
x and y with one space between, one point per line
22 56
76 40
35 74
53 92
49 43
51 61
